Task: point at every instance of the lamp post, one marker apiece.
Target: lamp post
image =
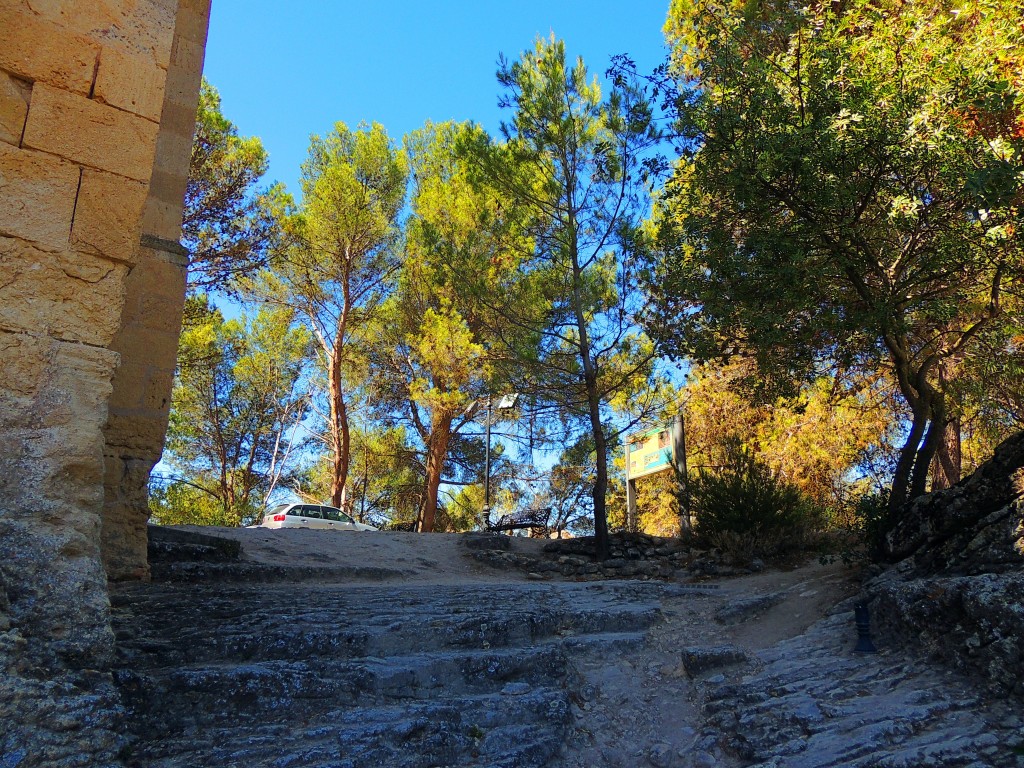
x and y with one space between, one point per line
507 402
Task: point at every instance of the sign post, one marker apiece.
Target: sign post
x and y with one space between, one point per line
661 449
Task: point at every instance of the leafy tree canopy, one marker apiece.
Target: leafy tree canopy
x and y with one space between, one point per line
847 194
237 405
571 162
229 223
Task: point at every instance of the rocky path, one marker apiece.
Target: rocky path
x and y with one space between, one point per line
477 671
717 686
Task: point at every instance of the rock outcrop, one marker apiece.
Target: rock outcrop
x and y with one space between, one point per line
957 588
977 526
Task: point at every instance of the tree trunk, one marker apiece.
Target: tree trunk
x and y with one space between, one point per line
594 409
600 443
928 405
905 466
932 440
601 482
340 437
947 464
923 459
437 454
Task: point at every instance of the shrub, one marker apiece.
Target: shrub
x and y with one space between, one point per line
746 510
874 520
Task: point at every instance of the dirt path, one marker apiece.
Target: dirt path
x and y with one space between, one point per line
435 558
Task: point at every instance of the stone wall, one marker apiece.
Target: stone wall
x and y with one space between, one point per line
84 88
147 339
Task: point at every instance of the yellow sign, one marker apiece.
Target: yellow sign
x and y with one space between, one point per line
649 452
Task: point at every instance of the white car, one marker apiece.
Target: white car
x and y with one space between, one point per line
311 516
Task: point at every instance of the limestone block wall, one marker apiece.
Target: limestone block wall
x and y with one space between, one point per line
147 339
83 90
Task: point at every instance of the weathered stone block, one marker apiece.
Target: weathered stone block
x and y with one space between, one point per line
139 26
90 133
698 660
14 98
178 117
171 145
133 83
162 216
126 399
71 296
39 50
159 280
160 312
143 346
125 517
156 396
22 364
75 401
193 20
49 563
185 57
131 429
108 214
38 194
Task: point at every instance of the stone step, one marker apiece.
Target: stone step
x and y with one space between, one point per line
200 570
266 690
498 729
267 630
370 675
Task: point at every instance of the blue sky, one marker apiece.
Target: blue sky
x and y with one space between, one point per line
286 70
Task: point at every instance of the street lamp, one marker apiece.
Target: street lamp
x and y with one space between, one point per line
506 403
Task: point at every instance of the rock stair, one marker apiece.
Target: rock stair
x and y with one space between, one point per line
340 676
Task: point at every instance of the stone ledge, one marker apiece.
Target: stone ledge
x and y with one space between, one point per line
173 544
175 252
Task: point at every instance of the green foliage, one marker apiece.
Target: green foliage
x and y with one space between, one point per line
570 163
385 483
744 508
433 347
179 503
229 225
461 511
337 266
818 439
874 521
658 505
848 193
990 387
236 407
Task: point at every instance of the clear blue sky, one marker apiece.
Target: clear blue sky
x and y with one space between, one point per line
286 70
